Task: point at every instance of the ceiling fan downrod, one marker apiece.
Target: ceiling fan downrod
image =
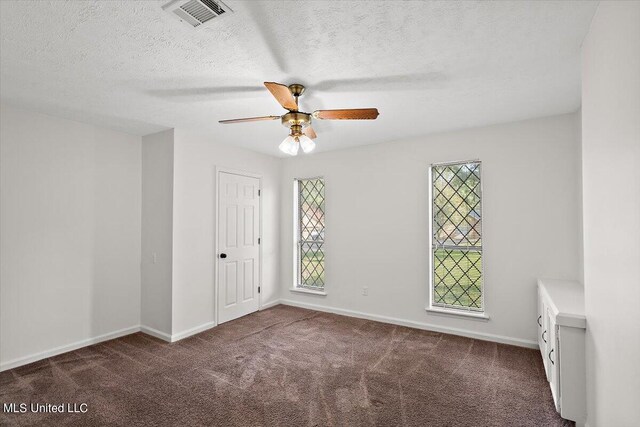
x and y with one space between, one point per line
296 90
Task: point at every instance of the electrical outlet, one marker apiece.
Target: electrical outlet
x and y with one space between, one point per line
365 290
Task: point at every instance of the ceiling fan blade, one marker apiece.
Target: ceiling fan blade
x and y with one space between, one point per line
250 119
310 132
352 114
282 94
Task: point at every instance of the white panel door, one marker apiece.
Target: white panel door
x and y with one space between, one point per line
238 250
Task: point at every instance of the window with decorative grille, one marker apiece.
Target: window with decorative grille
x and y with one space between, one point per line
456 276
310 233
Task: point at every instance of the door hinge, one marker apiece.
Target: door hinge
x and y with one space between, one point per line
258 240
258 193
258 289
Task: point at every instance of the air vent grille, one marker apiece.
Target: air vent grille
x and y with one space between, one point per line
215 7
196 12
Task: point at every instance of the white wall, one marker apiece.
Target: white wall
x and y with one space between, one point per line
377 222
611 186
70 226
157 231
194 220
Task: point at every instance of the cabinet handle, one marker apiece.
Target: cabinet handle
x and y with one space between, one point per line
539 317
543 339
552 362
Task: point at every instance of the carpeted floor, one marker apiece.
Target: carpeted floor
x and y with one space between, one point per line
289 367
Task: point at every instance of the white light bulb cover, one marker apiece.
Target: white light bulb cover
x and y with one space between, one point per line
289 146
306 143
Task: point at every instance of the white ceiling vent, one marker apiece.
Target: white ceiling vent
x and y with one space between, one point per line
195 13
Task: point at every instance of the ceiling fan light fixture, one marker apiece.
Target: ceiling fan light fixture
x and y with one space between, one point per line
290 145
306 143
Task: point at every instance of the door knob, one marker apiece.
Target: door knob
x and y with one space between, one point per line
223 255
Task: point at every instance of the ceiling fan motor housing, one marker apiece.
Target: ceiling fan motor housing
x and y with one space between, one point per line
296 118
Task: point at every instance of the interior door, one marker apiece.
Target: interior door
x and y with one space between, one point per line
238 245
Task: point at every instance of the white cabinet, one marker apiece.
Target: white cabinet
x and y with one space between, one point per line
561 336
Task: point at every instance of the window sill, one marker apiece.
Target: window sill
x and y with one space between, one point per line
458 313
308 291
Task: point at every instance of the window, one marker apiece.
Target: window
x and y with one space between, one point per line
456 277
309 195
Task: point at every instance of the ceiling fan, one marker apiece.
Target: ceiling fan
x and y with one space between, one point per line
301 133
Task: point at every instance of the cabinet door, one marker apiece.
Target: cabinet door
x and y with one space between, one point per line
552 362
544 337
540 322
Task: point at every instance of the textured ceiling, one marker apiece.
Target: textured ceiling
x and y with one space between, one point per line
427 66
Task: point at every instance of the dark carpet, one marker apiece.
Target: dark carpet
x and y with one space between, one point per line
289 367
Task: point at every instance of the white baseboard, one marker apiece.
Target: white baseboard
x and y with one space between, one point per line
155 333
204 327
106 337
192 331
112 335
413 324
270 304
66 348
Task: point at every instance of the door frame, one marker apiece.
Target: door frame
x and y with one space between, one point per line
216 286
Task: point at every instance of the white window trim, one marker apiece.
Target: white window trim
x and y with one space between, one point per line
296 287
457 312
308 291
452 311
